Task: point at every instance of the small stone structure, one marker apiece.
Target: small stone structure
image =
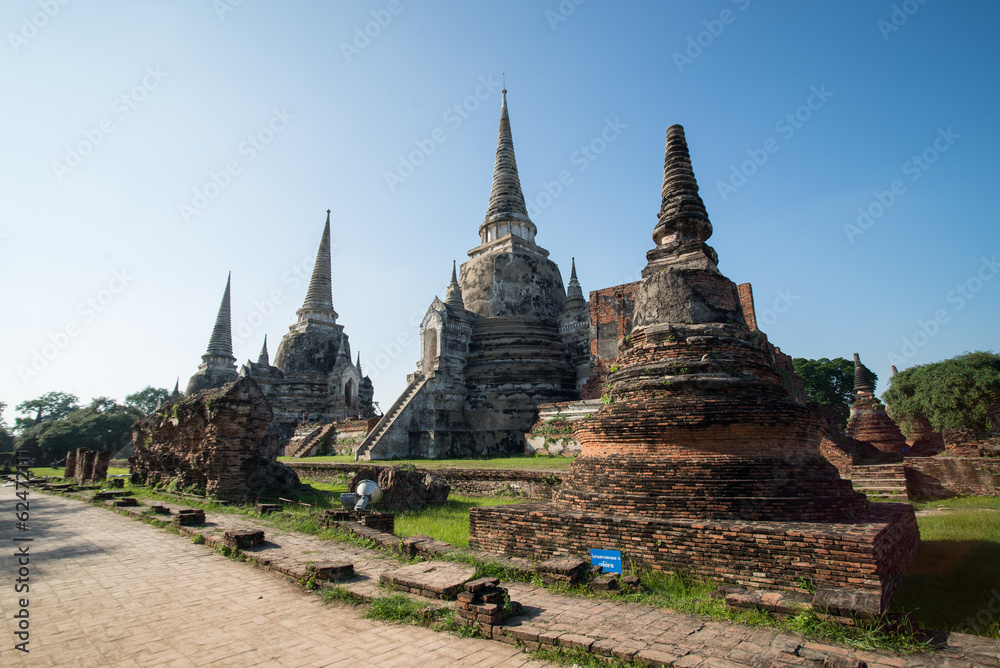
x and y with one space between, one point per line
702 460
433 579
869 421
484 604
404 488
507 337
215 440
86 466
552 434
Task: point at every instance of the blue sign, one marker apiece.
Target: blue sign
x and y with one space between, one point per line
610 561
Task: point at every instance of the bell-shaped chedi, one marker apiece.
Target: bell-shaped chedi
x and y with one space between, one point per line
869 421
698 423
700 460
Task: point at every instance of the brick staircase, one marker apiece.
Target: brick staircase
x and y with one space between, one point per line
364 450
880 482
306 438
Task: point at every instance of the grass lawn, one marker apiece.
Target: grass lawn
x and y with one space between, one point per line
448 521
528 463
43 471
956 574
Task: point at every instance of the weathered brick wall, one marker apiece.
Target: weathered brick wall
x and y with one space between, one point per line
533 484
942 477
611 311
870 555
745 291
967 443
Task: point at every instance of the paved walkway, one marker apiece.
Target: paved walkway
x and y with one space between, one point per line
109 591
194 605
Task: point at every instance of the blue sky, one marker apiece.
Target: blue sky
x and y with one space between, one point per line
119 117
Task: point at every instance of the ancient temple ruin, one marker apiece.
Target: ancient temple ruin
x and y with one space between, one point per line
313 377
215 442
507 337
869 421
701 461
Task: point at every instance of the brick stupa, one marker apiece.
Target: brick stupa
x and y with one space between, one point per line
700 461
869 421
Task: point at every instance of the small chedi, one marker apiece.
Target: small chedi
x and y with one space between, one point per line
506 338
86 466
869 421
701 461
214 441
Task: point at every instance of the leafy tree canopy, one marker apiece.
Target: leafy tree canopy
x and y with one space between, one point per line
46 408
6 440
103 425
146 398
830 383
959 392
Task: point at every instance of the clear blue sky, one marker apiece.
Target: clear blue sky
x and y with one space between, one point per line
162 95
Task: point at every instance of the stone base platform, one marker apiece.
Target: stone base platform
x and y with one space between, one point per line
866 557
433 579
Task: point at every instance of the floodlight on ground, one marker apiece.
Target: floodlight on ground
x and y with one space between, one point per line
367 492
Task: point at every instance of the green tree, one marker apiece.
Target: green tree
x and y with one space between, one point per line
830 383
6 440
101 426
46 408
146 398
963 391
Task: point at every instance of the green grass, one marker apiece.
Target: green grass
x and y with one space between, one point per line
448 521
955 577
49 471
520 463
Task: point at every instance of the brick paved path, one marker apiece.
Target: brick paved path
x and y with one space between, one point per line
109 591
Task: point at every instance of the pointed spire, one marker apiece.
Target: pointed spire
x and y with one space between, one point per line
574 293
263 357
894 372
221 343
319 296
682 211
177 389
358 365
454 297
861 382
506 213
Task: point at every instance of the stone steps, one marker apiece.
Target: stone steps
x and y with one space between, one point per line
363 453
880 482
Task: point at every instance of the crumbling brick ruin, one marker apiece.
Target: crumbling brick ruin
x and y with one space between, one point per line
215 441
86 466
702 461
